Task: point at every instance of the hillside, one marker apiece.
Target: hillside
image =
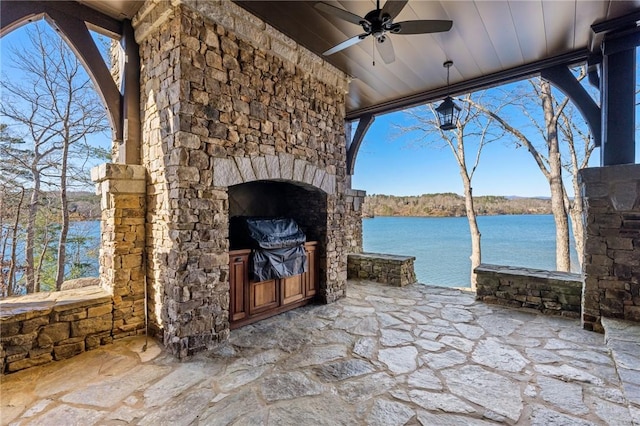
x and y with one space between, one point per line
84 205
448 204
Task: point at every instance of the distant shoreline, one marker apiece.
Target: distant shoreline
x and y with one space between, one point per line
451 205
447 217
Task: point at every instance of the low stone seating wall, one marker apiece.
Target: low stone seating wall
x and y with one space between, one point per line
38 328
551 292
383 268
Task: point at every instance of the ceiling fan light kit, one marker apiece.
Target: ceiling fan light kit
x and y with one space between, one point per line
379 24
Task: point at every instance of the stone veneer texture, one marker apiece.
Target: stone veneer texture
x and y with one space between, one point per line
122 228
612 246
383 268
42 327
226 100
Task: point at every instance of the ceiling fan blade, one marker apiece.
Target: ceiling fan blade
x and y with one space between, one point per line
340 13
347 43
424 27
393 8
385 49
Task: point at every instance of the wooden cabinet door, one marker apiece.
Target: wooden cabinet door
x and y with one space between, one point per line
238 278
292 289
310 277
263 295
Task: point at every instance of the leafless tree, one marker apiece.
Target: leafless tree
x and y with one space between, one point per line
57 108
555 124
473 129
12 194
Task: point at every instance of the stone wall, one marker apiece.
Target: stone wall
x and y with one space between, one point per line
612 244
551 292
42 327
227 100
383 268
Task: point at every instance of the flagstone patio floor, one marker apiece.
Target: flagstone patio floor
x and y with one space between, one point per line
381 356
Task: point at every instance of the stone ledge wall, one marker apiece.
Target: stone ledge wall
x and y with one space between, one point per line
383 268
551 292
43 327
611 264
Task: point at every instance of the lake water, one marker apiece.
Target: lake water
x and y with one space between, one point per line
442 245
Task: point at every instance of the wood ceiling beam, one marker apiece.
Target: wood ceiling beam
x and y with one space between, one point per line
14 14
472 85
621 22
17 13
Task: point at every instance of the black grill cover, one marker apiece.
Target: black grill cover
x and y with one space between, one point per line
281 251
275 233
279 263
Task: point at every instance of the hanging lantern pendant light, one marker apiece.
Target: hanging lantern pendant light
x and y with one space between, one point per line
448 111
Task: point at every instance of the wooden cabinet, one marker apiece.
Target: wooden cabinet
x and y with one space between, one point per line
250 301
310 278
238 290
263 295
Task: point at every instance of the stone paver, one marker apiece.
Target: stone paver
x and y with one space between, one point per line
417 355
623 338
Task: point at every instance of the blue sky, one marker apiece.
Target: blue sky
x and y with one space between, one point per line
19 40
387 163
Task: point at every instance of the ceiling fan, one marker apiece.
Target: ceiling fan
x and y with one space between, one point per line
379 23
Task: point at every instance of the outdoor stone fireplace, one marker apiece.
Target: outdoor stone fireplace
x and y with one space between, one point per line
237 119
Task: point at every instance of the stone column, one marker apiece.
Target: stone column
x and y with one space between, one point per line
353 221
123 191
611 263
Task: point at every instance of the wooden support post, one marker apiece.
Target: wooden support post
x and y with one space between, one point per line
618 108
130 89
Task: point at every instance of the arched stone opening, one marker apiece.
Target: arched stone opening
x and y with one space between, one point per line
304 203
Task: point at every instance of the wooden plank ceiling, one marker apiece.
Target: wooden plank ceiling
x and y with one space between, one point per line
487 37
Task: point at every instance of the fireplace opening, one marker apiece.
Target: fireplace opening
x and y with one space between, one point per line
251 298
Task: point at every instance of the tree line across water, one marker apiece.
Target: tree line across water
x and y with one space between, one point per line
451 205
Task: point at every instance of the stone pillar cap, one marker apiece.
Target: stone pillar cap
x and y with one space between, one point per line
108 171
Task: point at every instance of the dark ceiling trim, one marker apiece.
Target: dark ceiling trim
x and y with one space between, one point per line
463 87
619 42
626 21
14 14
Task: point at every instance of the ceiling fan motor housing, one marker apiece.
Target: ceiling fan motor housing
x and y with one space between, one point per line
378 23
